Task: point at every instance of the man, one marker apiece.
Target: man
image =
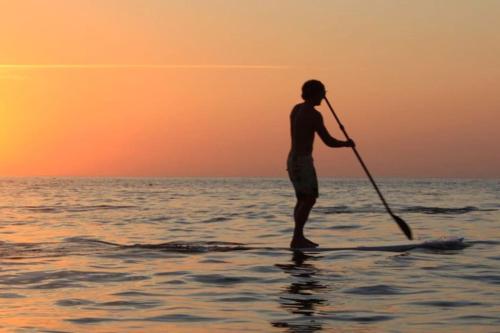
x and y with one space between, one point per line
305 121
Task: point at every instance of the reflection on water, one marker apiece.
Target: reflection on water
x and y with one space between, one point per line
302 297
159 255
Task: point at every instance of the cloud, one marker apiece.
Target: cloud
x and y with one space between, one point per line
139 66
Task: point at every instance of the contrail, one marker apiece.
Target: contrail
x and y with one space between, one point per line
138 66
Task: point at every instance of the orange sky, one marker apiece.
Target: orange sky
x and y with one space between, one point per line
204 88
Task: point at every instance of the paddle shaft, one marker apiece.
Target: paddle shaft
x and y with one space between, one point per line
360 159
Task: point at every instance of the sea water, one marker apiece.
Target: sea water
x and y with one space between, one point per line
210 255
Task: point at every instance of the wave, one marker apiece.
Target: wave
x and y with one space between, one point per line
441 210
72 209
409 209
175 246
89 246
341 209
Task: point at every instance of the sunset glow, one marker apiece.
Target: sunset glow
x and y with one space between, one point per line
204 88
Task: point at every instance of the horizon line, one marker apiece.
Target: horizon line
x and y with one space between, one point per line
251 176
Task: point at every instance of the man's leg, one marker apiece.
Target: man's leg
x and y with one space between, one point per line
301 214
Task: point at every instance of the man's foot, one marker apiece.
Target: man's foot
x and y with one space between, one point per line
303 242
312 243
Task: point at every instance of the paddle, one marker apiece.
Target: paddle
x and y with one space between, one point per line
402 224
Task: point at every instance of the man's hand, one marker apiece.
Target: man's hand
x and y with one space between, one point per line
349 143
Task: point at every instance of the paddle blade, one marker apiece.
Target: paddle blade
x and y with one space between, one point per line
404 227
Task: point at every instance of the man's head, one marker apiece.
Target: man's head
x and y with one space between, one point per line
313 91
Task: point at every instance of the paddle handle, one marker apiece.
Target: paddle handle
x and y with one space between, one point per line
360 159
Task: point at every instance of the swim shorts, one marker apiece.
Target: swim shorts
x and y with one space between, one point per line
303 175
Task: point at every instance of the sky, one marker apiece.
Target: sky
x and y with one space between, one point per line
204 88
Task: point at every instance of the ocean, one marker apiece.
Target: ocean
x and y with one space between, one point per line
211 255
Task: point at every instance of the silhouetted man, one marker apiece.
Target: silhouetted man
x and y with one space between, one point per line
305 121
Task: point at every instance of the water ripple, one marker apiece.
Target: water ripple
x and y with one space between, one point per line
220 279
447 304
378 289
410 209
66 278
79 208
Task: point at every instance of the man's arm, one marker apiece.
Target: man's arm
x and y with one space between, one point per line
327 138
